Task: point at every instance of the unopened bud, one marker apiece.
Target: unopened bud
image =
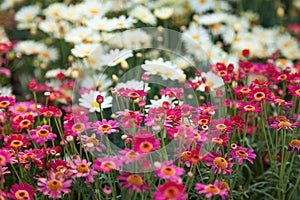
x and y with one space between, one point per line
100 99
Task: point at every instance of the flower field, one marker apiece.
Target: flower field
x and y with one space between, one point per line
138 99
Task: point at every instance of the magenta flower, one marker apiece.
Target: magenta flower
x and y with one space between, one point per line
6 101
21 191
42 134
145 144
75 124
173 92
106 164
54 186
130 119
241 154
211 189
91 143
219 163
248 107
170 190
5 157
294 146
133 182
168 170
131 93
105 127
129 155
81 168
283 124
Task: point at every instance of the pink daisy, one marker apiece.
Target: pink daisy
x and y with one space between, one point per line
6 101
81 168
168 170
91 143
5 157
50 111
145 144
219 164
21 191
32 156
294 146
248 107
169 191
133 182
241 154
211 189
54 186
129 156
42 134
105 127
207 109
106 164
75 124
16 141
173 92
130 118
22 122
131 93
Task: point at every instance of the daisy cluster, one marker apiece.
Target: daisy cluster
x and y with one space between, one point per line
91 124
59 154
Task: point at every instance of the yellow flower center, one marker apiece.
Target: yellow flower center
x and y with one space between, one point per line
105 127
249 108
284 124
54 185
259 96
133 95
4 103
93 141
222 73
83 168
221 127
135 180
279 100
171 192
22 194
78 127
108 165
225 186
217 140
43 133
298 92
245 90
95 104
186 155
295 143
20 108
16 143
202 1
146 146
282 77
241 154
168 170
203 122
221 162
2 159
25 123
132 155
212 189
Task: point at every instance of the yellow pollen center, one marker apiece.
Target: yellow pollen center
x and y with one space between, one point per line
284 124
249 108
20 108
132 155
105 127
93 141
212 189
168 170
108 165
2 159
146 146
95 104
217 140
259 95
171 192
78 127
295 143
241 154
43 133
298 92
16 143
186 155
245 90
83 168
221 162
25 122
222 73
203 122
22 194
133 95
221 126
54 185
135 180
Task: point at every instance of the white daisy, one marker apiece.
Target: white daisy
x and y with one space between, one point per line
88 100
27 13
99 81
133 84
82 35
122 22
210 19
83 50
201 6
116 56
5 91
48 54
70 13
212 81
158 103
90 9
53 11
6 4
100 24
29 47
166 70
54 72
49 26
195 35
143 14
163 13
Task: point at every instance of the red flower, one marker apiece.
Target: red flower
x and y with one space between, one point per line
21 191
50 111
16 141
259 94
170 190
6 101
248 107
131 93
